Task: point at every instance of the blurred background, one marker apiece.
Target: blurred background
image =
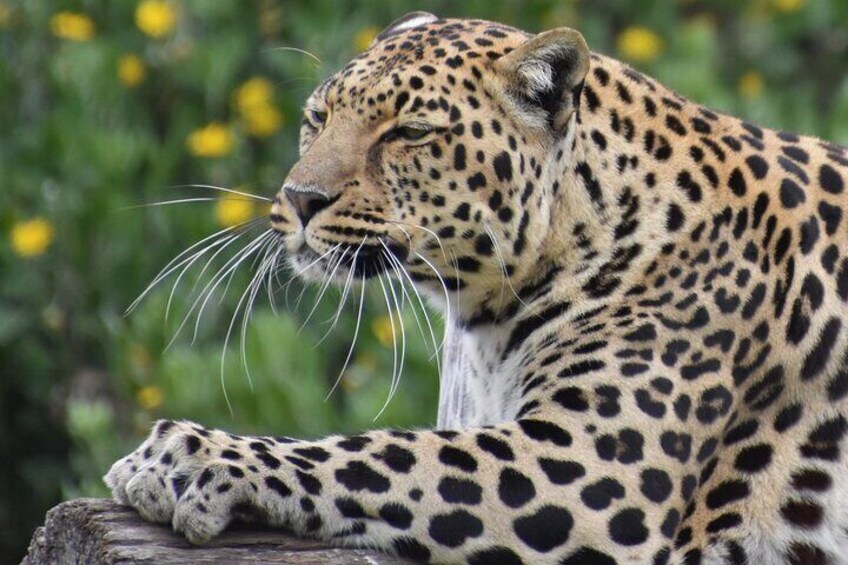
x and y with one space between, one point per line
106 106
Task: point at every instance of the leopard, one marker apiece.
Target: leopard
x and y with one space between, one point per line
645 355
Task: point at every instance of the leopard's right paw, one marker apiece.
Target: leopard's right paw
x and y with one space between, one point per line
152 478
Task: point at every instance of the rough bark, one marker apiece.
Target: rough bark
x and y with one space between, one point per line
97 531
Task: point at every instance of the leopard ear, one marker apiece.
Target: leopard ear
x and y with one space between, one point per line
409 21
544 75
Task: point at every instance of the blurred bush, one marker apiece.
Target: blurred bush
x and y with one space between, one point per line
108 105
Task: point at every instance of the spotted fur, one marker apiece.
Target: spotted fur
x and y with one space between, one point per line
648 341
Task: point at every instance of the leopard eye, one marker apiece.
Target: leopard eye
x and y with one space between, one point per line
407 133
317 117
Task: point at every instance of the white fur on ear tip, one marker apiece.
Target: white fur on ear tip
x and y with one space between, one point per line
420 18
409 21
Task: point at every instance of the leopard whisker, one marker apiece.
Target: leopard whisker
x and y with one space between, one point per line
180 259
271 275
327 280
296 275
295 50
390 313
444 287
404 275
210 287
255 286
247 195
168 203
355 336
505 278
343 300
427 230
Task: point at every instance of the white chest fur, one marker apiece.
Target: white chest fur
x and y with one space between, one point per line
477 387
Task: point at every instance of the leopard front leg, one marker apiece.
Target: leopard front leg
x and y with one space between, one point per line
532 490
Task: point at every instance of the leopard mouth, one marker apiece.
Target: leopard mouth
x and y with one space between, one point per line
362 262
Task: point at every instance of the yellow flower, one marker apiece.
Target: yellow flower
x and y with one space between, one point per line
149 397
382 328
262 121
155 18
751 85
639 44
32 237
254 100
5 15
131 70
258 91
212 140
363 38
232 209
788 6
72 26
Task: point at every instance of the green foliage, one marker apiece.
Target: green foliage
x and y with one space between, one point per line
98 106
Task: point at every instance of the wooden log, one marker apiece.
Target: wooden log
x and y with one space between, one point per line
98 531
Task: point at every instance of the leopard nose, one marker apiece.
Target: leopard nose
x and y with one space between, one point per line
307 202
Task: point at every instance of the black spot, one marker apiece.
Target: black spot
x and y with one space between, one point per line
759 167
724 522
804 554
627 527
410 548
753 458
727 492
463 212
396 515
656 485
475 181
278 486
670 523
357 476
819 356
545 431
396 458
402 98
674 217
451 530
830 180
588 556
455 457
678 446
460 491
309 483
831 216
804 514
503 166
313 453
548 528
354 443
811 479
737 182
788 417
561 472
791 195
571 398
459 157
350 508
514 488
496 447
600 494
497 555
192 444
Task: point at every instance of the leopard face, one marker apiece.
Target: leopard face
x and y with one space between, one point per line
425 154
